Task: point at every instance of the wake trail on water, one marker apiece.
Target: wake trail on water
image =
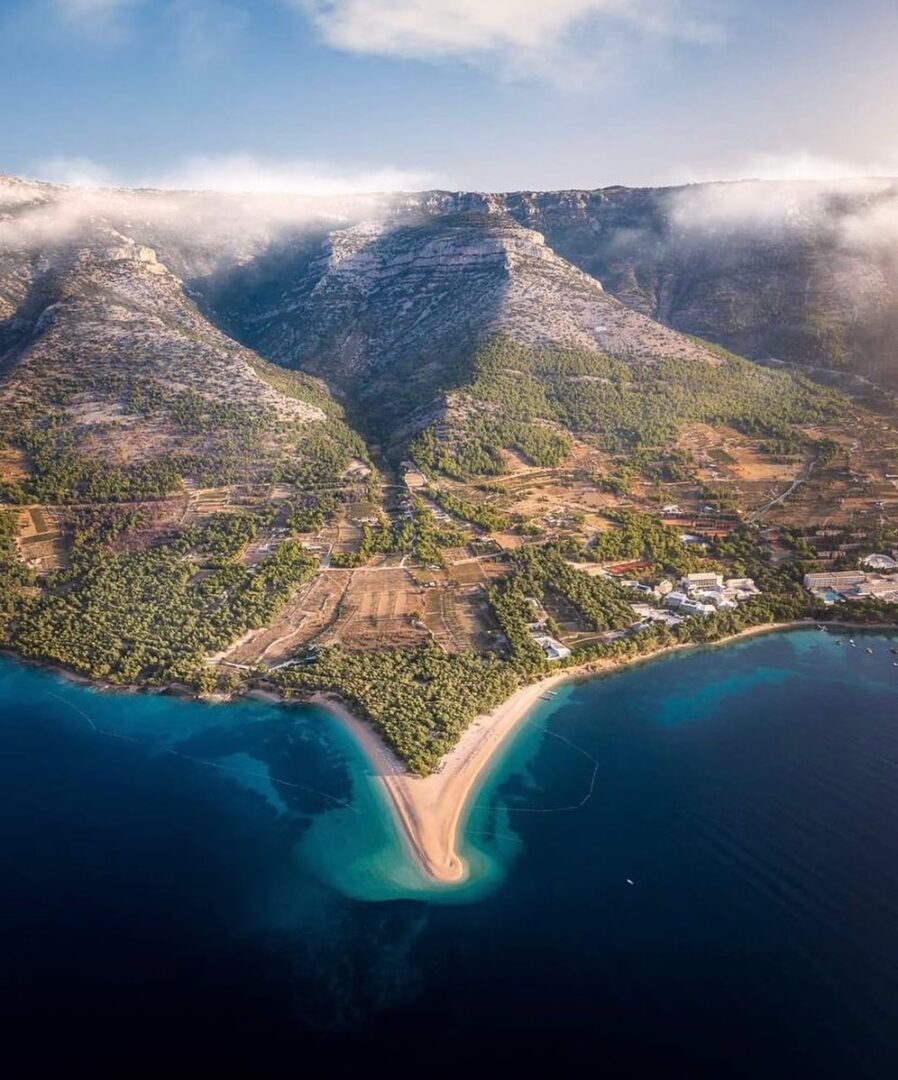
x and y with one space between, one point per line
204 761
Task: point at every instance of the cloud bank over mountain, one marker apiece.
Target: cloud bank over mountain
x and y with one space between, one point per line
242 173
853 212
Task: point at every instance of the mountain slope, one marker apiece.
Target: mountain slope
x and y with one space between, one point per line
115 385
404 307
805 272
392 315
470 328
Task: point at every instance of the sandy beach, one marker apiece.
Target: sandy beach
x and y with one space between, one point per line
430 808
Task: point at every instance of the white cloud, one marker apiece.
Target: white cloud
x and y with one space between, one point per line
245 204
526 37
874 228
243 174
78 172
200 30
854 205
563 41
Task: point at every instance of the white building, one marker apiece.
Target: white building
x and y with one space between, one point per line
702 580
539 612
879 562
875 587
717 598
694 607
648 614
834 579
552 647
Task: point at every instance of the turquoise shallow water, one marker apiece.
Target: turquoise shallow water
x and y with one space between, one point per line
224 886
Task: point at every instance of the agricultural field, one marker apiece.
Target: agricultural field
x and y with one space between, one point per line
40 539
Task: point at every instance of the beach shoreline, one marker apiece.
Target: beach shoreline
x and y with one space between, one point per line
430 809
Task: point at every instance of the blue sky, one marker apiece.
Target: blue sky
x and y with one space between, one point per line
488 94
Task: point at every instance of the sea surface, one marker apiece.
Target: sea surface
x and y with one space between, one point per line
689 867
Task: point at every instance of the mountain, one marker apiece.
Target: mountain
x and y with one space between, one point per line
799 271
391 314
804 272
483 323
114 383
152 332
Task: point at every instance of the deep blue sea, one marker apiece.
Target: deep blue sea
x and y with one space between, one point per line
221 888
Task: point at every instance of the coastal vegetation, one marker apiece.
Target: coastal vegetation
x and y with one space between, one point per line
218 442
14 575
154 615
476 449
643 537
61 473
601 603
419 700
313 512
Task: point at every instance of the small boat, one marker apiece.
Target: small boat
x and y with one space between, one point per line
870 651
894 650
852 644
839 642
630 881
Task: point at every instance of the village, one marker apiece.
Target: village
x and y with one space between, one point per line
667 603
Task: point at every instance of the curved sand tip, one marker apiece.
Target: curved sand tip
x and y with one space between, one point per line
430 808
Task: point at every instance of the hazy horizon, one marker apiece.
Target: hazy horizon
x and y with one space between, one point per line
828 184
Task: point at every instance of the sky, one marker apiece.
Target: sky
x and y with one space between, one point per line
320 96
